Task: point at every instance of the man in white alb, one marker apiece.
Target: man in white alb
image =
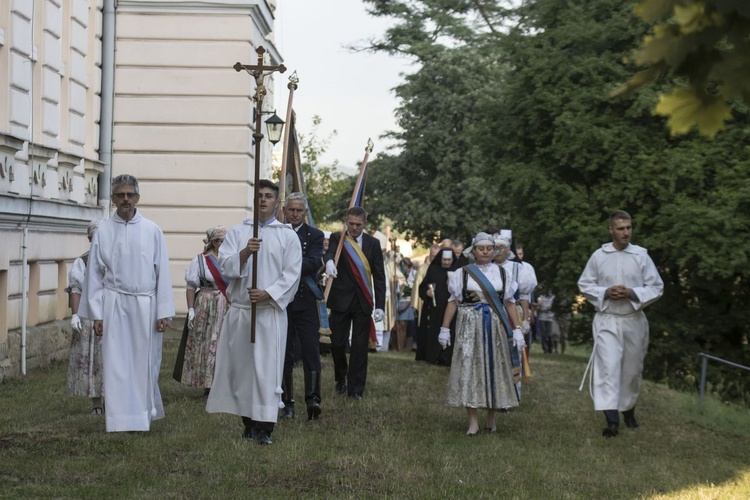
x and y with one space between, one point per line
248 376
620 280
127 292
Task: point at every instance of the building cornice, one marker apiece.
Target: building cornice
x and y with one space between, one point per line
261 11
45 214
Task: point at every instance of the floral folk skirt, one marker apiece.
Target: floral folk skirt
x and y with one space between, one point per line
196 359
481 371
85 366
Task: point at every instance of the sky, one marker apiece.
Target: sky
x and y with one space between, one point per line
350 91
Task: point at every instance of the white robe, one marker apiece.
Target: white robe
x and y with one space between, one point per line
620 326
128 287
247 380
524 276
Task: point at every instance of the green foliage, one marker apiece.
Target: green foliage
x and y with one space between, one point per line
515 128
704 47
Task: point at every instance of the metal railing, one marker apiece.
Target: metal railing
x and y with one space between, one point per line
704 365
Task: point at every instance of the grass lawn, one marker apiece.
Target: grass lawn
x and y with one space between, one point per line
400 441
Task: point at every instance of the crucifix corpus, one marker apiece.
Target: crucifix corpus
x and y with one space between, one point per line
258 71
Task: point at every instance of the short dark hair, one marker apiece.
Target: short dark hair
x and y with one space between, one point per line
265 183
357 212
492 230
618 214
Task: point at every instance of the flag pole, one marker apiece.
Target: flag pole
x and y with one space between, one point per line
292 86
357 186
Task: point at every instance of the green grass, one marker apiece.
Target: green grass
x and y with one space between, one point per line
401 441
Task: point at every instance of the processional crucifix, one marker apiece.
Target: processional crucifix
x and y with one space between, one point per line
258 71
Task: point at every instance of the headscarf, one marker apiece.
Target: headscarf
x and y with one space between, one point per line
507 243
92 227
212 233
479 239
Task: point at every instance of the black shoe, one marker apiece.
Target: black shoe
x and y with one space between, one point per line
263 437
356 396
340 387
249 433
313 411
288 411
613 423
630 421
611 430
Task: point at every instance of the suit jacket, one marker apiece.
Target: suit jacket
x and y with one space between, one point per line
345 289
311 240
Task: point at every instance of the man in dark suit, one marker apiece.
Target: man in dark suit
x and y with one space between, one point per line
358 288
302 313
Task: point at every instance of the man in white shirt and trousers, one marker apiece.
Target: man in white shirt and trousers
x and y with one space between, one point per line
620 280
128 294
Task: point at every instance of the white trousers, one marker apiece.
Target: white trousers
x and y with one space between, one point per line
620 345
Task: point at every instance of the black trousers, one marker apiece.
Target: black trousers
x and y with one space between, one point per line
303 327
356 370
261 426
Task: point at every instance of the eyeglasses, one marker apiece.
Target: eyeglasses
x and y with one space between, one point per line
122 196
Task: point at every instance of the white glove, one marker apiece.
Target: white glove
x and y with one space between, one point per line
75 323
331 269
378 315
191 317
445 337
518 339
525 326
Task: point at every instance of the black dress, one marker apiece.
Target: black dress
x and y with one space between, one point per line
433 315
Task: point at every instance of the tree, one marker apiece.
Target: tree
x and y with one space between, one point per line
704 47
515 127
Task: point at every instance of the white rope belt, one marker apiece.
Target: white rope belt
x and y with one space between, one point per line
150 293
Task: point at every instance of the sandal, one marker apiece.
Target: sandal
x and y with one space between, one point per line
97 410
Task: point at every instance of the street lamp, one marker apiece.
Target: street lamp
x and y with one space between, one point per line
275 126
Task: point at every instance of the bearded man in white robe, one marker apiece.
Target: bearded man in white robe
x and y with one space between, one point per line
247 380
127 292
620 280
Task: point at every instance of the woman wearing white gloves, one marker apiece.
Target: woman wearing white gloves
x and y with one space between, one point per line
205 291
481 370
85 366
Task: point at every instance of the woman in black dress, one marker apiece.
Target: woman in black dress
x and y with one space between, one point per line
433 291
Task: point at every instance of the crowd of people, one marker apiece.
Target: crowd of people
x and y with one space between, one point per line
262 299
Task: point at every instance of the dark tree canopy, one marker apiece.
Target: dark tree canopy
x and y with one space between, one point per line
508 121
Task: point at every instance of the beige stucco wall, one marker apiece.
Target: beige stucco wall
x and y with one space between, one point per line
181 125
50 88
183 119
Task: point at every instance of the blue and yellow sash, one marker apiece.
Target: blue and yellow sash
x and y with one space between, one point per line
494 302
360 267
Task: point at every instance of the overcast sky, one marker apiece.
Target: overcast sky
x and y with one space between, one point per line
350 91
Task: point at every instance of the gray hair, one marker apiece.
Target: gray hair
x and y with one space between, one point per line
92 227
125 180
296 196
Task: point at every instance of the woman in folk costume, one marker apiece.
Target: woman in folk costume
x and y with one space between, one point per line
482 368
525 279
207 303
85 367
434 293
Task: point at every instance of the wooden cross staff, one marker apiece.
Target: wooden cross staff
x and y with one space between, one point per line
258 71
